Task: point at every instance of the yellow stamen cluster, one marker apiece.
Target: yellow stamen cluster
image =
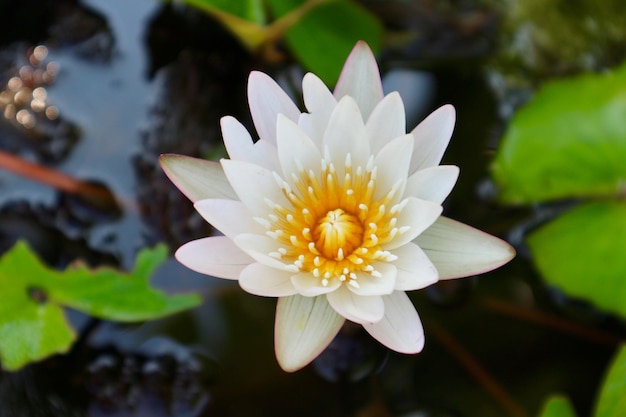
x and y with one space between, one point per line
334 227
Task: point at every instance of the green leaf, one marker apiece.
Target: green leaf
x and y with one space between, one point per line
244 18
32 297
323 37
557 406
569 141
250 10
612 399
582 252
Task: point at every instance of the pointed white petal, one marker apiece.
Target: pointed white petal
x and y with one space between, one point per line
197 178
432 137
401 329
259 248
216 256
267 100
386 122
392 163
346 134
309 286
371 285
356 308
231 217
237 140
304 327
459 250
418 215
254 185
266 155
320 103
360 79
240 146
296 151
415 270
265 281
432 184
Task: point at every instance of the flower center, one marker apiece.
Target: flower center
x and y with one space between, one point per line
337 233
337 224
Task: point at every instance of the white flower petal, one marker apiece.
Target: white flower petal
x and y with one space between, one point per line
259 247
309 286
360 79
432 137
296 152
415 270
237 140
386 122
266 281
392 163
368 284
254 186
240 146
197 178
401 329
216 256
345 134
459 250
267 100
356 308
432 184
304 327
320 103
418 215
231 217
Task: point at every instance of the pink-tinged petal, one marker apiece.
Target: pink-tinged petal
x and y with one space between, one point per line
458 250
255 186
367 284
360 79
386 122
417 215
260 248
392 163
356 308
415 270
345 134
259 279
267 100
401 329
240 146
197 178
432 184
432 137
216 256
304 327
231 217
296 151
309 286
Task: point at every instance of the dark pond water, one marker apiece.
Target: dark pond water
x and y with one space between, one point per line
128 80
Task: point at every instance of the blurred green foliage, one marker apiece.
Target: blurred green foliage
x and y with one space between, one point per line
319 33
569 141
611 400
33 325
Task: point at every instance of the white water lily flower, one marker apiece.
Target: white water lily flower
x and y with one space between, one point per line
336 211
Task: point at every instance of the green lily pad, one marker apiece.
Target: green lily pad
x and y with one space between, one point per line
612 399
557 406
568 141
323 38
32 296
582 252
